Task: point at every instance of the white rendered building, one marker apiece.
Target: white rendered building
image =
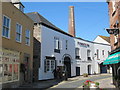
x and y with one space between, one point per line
55 48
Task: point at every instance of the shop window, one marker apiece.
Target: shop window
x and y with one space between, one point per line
7 72
15 72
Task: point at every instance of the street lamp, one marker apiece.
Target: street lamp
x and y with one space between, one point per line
114 31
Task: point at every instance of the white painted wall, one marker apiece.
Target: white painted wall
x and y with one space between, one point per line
47 49
83 63
100 47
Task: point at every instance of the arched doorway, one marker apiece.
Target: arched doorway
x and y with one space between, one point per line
67 64
89 69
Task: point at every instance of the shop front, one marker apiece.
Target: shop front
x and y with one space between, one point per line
9 67
114 61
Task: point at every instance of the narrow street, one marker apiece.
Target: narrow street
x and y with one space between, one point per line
77 81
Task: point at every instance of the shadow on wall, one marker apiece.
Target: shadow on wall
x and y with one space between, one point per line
36 58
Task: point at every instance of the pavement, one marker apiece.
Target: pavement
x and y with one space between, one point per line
75 82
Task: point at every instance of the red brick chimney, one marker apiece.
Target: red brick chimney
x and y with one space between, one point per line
71 21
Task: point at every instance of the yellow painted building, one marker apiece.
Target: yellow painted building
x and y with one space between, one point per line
17 45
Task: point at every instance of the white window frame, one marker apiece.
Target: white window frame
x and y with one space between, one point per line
20 33
77 52
50 65
8 27
88 52
27 37
57 43
21 8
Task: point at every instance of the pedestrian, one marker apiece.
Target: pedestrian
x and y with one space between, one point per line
55 73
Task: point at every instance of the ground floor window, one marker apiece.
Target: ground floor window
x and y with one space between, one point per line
9 66
49 65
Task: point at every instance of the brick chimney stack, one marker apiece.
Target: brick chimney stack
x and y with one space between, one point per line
71 21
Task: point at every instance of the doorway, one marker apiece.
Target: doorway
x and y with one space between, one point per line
67 63
77 71
89 69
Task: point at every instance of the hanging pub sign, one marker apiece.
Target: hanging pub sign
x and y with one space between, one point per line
83 44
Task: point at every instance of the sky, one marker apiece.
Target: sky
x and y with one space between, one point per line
91 18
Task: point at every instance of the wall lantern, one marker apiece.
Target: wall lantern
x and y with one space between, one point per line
114 31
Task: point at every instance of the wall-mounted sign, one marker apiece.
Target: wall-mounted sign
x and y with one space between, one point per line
9 56
83 44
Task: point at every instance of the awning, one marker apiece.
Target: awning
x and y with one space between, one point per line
112 59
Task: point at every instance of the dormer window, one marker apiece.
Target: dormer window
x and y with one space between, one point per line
21 8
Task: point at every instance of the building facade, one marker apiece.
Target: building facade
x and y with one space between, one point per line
17 46
55 48
102 49
113 59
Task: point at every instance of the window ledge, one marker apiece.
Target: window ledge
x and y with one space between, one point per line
18 42
57 50
6 37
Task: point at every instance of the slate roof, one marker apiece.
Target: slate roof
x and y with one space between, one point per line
105 38
37 18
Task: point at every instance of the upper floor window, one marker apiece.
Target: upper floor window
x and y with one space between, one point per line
56 45
6 27
77 54
88 54
97 54
21 8
115 39
102 52
27 37
18 32
113 5
66 44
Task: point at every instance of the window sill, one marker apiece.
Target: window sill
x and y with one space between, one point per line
6 37
27 45
18 42
78 57
57 50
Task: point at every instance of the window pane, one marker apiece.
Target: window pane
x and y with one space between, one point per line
7 32
15 72
52 65
7 72
3 32
8 21
4 21
6 24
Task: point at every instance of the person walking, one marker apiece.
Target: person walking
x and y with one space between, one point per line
55 73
